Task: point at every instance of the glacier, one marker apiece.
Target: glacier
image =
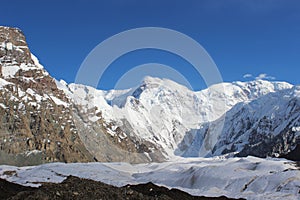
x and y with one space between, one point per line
250 177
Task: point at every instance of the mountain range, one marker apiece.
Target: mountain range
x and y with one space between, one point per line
46 120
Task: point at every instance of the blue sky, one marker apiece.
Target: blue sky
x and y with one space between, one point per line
243 37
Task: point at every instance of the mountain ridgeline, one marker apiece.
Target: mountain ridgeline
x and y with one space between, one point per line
45 120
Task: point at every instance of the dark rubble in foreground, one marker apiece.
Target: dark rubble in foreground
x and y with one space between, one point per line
77 188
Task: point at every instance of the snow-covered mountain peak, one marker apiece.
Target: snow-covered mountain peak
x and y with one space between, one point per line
161 82
149 80
163 112
151 87
262 87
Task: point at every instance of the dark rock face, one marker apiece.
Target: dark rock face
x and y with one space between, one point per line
157 192
76 188
283 145
293 155
8 189
36 123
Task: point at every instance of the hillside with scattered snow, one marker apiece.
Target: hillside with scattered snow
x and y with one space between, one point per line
36 122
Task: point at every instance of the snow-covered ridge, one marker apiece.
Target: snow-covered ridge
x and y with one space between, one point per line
251 178
270 120
230 93
162 111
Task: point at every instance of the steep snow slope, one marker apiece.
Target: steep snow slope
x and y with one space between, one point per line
251 178
163 112
267 126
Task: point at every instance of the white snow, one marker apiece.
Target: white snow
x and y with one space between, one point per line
9 46
296 129
2 45
58 101
34 152
9 71
4 83
21 93
94 118
62 85
3 106
36 62
31 92
251 178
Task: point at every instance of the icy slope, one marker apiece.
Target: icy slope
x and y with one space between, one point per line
251 178
267 126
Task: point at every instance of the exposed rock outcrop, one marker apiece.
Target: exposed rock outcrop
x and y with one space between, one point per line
36 123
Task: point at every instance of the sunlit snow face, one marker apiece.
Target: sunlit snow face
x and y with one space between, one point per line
162 113
137 74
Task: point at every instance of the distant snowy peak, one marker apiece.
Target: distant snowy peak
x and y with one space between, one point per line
259 88
156 87
266 126
250 90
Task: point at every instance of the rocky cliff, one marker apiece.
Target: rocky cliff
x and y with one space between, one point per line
36 122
